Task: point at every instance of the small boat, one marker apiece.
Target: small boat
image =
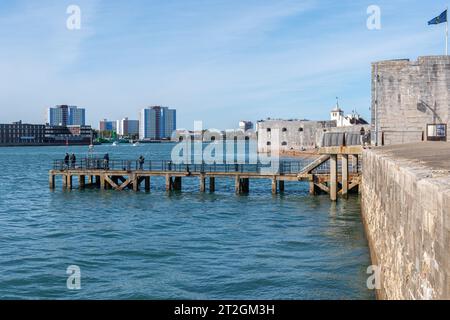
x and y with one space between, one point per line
136 144
115 144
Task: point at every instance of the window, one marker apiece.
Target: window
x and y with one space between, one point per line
284 130
269 130
437 132
300 130
284 143
269 143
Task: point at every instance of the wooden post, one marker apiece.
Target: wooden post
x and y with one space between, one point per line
237 185
345 175
51 181
102 182
69 181
312 189
246 185
177 185
90 179
202 183
82 181
169 184
281 185
147 184
136 183
212 184
64 181
274 185
333 177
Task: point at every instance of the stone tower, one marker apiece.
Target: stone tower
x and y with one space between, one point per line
407 97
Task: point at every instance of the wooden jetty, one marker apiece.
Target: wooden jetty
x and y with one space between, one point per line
332 173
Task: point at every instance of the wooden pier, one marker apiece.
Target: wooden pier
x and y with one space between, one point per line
324 174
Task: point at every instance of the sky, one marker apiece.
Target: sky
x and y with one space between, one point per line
218 61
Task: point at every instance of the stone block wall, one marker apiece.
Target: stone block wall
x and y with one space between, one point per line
408 95
406 212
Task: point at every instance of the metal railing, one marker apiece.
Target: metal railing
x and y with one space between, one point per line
282 167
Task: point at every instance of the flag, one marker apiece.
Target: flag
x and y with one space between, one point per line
440 19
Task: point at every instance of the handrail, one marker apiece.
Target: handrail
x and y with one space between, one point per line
284 166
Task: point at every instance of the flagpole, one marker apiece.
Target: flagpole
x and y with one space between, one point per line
446 33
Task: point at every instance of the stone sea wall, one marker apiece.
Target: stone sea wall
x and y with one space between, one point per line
406 212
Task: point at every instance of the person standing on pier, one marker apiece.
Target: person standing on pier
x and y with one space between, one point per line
141 161
66 161
106 161
73 160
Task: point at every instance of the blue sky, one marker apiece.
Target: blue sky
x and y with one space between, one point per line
219 61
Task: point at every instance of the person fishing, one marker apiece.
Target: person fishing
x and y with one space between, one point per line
66 161
106 161
141 161
73 160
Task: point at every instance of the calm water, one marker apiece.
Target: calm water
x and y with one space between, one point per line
166 246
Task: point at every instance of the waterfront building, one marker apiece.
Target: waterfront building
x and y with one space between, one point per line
106 125
157 123
19 133
65 115
291 135
61 135
128 127
246 125
410 100
353 119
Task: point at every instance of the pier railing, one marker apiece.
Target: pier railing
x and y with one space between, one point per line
283 166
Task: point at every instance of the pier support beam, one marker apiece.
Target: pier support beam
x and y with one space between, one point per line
281 186
355 163
177 184
90 180
69 182
147 184
82 181
245 185
202 183
237 185
274 185
169 183
51 181
136 183
333 177
102 182
345 175
212 184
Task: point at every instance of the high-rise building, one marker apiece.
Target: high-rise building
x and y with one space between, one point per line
65 115
106 125
77 116
169 122
157 123
128 127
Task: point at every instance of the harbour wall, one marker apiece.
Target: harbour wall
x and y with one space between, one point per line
406 213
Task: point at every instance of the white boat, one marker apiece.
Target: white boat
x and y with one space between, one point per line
115 144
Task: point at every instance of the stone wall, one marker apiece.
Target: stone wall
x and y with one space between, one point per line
406 212
408 95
